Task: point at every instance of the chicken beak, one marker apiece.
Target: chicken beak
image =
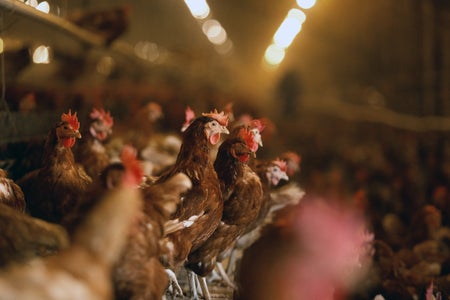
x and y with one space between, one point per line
77 134
284 176
224 130
259 141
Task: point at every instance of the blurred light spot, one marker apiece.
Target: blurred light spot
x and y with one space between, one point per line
41 55
43 7
105 65
32 3
225 48
1 45
297 14
286 33
214 31
147 50
198 8
274 55
306 4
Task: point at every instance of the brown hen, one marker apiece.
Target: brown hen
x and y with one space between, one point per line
242 192
91 152
51 191
203 201
139 273
83 271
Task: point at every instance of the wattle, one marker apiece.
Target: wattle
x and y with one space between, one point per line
214 139
244 158
68 142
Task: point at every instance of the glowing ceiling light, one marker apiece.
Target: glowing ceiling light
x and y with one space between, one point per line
32 3
215 32
274 55
198 8
289 29
306 4
225 48
297 14
41 55
43 7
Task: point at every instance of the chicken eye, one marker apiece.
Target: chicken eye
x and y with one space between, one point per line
214 123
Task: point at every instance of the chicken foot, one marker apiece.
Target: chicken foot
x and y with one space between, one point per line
173 283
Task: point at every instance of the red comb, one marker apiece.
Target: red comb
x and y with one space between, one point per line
281 164
219 117
190 115
229 111
134 172
258 123
248 137
105 117
292 156
71 119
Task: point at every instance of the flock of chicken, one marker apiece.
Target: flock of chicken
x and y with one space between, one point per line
122 215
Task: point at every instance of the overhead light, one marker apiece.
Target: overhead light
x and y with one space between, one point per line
43 7
214 32
41 55
198 8
306 4
274 55
289 29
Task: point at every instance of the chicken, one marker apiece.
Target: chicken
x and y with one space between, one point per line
23 237
270 174
139 273
109 178
90 151
10 193
293 161
242 191
50 191
139 129
203 201
297 257
83 271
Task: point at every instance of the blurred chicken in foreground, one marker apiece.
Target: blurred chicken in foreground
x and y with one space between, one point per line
23 237
83 271
10 193
316 251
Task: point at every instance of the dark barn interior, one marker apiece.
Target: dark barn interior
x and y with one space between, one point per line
131 165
